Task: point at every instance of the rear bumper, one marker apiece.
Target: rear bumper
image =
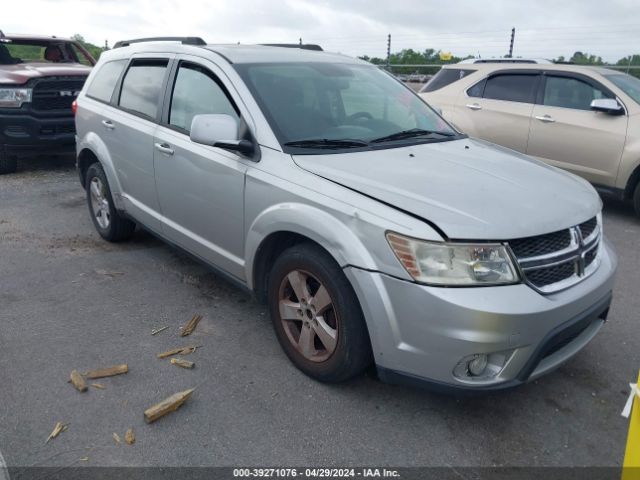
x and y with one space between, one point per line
22 134
420 334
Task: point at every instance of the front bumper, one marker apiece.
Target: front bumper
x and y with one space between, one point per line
420 333
24 134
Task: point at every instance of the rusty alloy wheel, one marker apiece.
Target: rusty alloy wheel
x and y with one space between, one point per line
308 316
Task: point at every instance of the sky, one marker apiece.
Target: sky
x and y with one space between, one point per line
544 28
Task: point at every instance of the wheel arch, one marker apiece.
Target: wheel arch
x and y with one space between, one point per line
92 149
283 226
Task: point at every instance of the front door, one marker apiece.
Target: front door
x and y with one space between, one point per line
566 133
200 188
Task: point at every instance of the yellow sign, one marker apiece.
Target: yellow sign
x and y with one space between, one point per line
631 465
444 56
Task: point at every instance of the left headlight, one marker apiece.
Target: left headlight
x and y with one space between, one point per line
454 264
14 97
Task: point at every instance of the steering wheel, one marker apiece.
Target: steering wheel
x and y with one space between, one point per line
360 115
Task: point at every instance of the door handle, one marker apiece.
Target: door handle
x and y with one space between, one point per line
545 118
108 124
164 148
474 106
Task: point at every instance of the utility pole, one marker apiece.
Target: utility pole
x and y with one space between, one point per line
513 35
389 52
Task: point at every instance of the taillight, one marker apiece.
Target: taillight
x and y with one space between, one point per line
74 106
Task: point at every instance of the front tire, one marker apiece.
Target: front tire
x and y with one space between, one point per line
636 199
316 315
108 222
8 164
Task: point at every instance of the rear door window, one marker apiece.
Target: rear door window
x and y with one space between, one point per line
142 87
445 77
511 87
570 92
105 80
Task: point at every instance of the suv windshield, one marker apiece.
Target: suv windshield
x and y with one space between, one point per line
15 51
628 84
340 106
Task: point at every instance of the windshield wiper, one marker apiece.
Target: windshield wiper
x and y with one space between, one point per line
327 143
414 132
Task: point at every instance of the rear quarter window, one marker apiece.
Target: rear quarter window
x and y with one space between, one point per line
445 77
105 80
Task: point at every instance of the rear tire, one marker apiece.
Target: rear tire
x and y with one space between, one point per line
636 199
108 222
317 316
8 164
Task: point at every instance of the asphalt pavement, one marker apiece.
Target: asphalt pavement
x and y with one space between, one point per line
69 300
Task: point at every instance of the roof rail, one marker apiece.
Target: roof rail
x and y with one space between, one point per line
185 40
303 46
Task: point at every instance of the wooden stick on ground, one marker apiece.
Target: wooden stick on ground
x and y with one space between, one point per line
57 430
108 372
182 363
177 351
78 381
130 437
191 325
166 406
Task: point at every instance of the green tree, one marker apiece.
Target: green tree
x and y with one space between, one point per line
94 50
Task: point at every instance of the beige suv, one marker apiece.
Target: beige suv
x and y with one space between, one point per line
582 119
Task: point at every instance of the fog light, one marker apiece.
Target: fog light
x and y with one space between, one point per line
481 366
478 364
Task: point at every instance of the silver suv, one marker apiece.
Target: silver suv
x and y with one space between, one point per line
374 231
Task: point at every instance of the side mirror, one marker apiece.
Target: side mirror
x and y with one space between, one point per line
222 131
607 105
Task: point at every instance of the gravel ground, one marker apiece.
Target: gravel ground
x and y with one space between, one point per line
70 300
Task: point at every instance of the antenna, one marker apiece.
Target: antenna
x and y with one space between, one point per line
513 35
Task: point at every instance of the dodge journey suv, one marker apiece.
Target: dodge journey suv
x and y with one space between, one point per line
583 119
374 231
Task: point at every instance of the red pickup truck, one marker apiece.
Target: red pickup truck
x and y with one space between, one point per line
39 79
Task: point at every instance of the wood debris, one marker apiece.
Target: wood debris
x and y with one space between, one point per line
108 372
177 351
78 381
98 386
116 437
158 330
166 406
107 273
182 363
130 437
57 430
191 325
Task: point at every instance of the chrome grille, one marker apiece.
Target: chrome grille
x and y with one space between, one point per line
557 260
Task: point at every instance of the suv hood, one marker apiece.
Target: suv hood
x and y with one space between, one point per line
21 73
468 188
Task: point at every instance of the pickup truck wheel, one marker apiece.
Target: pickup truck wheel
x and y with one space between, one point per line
316 315
108 222
8 164
636 199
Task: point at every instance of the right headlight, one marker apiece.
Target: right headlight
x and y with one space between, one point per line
454 264
14 97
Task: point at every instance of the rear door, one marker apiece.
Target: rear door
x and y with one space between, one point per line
130 125
498 108
566 133
200 188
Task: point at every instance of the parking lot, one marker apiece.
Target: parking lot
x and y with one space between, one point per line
72 301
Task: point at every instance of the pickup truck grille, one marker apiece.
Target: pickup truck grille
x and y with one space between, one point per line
56 93
558 260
